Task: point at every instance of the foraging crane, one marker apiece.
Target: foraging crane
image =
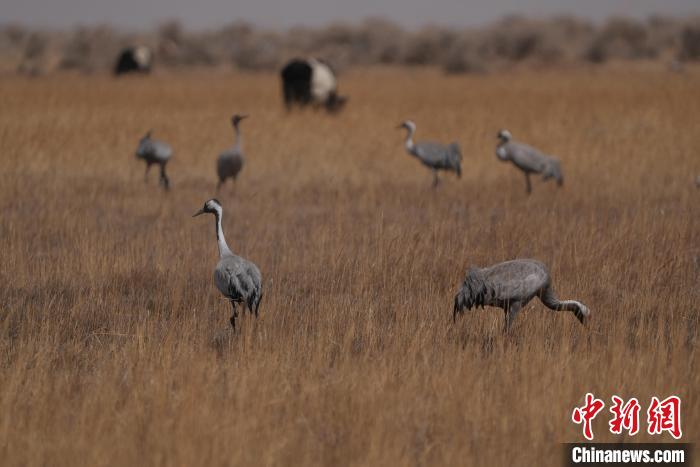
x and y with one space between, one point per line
435 156
230 161
237 279
527 159
152 152
511 285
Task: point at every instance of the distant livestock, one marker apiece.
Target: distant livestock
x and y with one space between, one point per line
152 152
510 286
528 159
137 59
311 82
435 156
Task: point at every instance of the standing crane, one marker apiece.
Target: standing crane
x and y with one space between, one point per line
152 152
435 156
230 161
238 279
528 159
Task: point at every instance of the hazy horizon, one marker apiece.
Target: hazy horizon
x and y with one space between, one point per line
137 14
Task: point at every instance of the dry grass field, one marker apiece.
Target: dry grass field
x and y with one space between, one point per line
109 315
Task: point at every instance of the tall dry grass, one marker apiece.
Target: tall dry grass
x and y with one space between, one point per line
109 312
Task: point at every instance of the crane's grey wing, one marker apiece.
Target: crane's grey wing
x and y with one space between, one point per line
253 274
228 277
517 280
161 150
238 278
433 155
526 157
230 162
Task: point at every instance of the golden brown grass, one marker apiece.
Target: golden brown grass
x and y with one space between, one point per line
109 309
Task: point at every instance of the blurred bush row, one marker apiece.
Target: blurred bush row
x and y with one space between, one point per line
511 40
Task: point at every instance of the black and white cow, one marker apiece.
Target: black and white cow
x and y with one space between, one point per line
310 81
137 59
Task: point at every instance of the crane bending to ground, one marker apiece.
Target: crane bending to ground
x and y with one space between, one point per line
511 285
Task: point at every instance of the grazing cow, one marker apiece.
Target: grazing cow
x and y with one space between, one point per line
137 59
310 81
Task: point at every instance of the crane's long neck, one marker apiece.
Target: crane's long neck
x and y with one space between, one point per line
579 309
568 305
409 139
239 139
224 250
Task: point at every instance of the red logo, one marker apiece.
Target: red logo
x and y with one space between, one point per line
625 416
587 413
662 416
665 416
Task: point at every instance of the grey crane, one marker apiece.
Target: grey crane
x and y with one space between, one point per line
152 152
238 279
511 285
527 159
230 161
435 156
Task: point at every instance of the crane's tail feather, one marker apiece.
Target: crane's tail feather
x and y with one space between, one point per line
553 170
257 304
457 308
475 292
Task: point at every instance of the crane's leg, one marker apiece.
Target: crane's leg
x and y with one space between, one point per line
219 184
145 176
511 311
257 305
234 316
528 185
164 177
435 179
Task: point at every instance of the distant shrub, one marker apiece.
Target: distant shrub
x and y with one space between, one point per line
91 49
464 57
690 43
512 40
621 39
34 55
178 48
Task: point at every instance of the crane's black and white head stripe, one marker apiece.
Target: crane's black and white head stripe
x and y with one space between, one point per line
236 119
504 135
409 125
213 206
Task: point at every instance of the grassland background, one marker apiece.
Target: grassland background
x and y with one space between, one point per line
108 307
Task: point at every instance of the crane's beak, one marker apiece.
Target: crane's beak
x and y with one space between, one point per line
201 211
400 126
